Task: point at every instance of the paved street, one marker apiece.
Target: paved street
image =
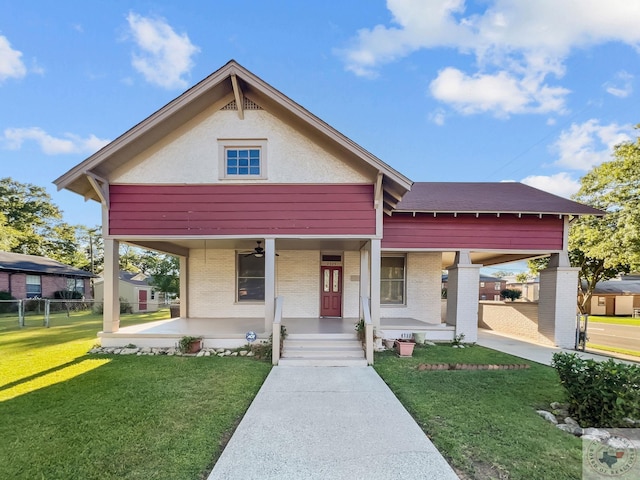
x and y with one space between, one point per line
621 336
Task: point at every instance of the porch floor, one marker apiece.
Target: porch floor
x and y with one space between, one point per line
232 331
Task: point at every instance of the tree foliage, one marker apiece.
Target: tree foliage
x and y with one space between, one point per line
605 247
511 294
31 223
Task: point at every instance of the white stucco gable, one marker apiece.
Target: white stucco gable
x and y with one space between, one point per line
191 154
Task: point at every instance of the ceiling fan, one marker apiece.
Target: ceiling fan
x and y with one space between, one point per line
258 251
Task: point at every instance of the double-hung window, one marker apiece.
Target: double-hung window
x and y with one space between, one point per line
75 285
250 278
392 280
34 286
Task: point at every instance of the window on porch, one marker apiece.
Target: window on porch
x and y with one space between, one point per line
250 278
392 280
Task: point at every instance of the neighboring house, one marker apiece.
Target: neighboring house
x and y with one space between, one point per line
489 287
133 289
29 276
261 199
530 289
618 296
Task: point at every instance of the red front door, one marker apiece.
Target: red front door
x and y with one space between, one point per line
142 300
331 293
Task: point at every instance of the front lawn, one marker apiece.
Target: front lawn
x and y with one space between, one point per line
615 320
484 421
67 414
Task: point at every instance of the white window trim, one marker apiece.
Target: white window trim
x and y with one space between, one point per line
404 283
224 143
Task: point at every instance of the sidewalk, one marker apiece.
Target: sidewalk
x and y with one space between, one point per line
328 423
530 351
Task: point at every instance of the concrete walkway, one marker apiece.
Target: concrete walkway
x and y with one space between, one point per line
328 423
528 350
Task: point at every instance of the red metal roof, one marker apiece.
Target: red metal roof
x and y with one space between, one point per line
497 197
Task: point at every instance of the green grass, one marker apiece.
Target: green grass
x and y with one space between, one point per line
73 415
484 422
615 320
605 348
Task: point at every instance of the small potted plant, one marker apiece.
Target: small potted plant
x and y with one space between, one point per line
190 344
405 347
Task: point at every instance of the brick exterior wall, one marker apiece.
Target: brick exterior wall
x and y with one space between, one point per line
489 290
423 289
48 283
513 318
298 281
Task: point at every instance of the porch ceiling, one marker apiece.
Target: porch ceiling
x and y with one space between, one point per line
182 247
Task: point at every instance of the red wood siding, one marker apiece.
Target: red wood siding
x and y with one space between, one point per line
241 210
507 232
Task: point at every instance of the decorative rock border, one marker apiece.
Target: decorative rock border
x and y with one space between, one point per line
559 416
172 351
469 366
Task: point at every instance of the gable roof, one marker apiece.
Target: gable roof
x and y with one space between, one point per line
495 197
483 278
138 279
627 284
220 88
32 264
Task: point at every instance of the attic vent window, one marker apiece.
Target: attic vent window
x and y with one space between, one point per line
242 159
246 105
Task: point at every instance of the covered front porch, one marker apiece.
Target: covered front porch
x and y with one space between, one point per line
231 332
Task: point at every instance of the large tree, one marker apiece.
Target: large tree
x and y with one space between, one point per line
605 247
31 223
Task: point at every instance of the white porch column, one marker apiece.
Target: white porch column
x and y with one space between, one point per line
462 296
365 286
558 302
375 283
111 309
184 287
269 283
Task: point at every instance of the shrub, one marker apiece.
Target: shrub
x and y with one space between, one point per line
67 295
8 306
600 394
511 294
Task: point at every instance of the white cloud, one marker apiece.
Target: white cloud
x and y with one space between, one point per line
586 145
622 87
70 143
561 184
163 57
501 93
11 65
438 117
517 43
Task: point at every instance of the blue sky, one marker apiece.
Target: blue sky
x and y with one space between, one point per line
442 90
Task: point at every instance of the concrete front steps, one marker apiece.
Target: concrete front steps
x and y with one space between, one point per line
323 350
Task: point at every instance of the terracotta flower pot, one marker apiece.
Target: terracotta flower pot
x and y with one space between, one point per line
405 347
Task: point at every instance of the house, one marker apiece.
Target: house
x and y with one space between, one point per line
279 218
30 276
618 296
489 287
530 289
133 289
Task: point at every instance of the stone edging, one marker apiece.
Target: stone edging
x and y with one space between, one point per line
172 351
468 366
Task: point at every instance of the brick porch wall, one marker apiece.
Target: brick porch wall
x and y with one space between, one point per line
513 318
